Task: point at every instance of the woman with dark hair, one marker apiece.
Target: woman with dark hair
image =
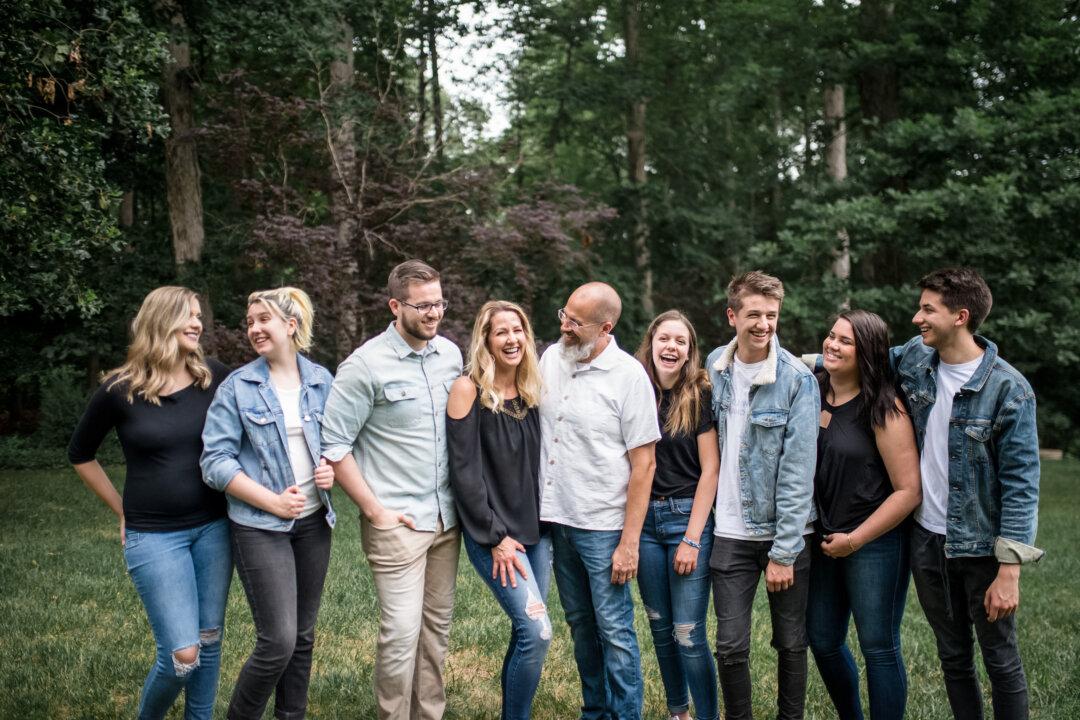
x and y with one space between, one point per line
866 485
676 538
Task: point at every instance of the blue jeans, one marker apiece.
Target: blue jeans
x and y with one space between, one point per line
530 633
870 585
676 606
601 619
183 579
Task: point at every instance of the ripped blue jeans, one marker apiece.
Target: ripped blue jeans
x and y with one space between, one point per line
183 579
530 626
676 606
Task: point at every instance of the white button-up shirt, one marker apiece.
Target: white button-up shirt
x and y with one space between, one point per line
591 416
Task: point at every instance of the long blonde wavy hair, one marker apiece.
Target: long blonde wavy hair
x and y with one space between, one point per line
481 365
155 349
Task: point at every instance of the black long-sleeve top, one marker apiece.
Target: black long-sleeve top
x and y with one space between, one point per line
495 473
162 444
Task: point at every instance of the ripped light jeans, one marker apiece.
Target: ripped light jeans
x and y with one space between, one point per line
183 579
676 606
530 633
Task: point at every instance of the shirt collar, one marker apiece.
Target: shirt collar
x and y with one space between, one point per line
607 357
403 349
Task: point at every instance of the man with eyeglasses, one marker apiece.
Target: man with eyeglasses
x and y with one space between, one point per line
597 456
385 432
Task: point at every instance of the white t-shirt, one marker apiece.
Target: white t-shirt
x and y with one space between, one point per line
934 461
591 416
729 509
303 466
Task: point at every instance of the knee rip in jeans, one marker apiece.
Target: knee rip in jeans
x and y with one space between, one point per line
536 610
682 634
209 636
652 614
185 661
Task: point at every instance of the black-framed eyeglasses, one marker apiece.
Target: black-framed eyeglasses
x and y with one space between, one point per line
425 308
564 318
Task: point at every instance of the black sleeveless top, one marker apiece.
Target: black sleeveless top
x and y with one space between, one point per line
495 472
851 481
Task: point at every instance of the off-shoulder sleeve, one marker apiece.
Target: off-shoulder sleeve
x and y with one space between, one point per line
467 480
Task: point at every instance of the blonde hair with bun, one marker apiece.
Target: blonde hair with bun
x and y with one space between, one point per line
286 303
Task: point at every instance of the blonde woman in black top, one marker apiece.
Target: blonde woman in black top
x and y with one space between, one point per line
172 526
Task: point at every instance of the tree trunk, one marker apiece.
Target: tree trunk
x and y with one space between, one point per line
343 206
635 152
436 91
127 209
421 98
879 86
182 184
836 168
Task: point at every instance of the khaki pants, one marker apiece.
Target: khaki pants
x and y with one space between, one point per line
414 574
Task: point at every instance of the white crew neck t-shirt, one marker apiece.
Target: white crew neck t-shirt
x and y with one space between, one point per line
729 510
303 466
934 461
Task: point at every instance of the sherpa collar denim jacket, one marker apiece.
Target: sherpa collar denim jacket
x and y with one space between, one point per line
993 452
778 452
245 431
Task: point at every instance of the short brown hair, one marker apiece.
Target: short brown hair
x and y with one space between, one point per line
408 273
754 282
961 288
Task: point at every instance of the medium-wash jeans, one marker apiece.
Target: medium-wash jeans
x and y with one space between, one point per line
737 566
951 592
601 619
676 606
871 585
282 574
183 579
530 633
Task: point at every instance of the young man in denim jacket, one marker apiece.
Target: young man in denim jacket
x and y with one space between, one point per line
974 418
766 404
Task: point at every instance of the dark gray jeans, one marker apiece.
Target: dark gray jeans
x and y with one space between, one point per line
736 567
951 592
283 575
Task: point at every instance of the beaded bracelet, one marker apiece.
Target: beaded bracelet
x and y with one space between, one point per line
691 543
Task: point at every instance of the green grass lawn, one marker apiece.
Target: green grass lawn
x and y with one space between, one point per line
77 643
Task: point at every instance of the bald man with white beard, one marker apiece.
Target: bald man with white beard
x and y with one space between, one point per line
599 431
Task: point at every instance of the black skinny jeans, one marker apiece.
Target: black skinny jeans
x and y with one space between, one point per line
736 567
282 574
951 592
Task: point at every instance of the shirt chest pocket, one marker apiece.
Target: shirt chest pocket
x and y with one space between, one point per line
978 441
404 405
767 432
260 427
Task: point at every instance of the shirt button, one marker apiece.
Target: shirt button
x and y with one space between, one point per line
559 418
565 397
556 439
551 462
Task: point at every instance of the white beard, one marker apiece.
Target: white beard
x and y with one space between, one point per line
576 353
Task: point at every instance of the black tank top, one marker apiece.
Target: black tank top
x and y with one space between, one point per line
851 481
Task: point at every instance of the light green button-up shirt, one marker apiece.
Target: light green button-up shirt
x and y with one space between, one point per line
388 407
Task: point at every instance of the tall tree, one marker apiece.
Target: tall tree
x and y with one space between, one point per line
341 143
836 169
635 151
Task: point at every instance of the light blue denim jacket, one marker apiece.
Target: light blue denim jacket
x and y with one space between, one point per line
993 452
245 432
778 452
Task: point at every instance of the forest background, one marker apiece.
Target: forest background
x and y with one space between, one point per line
848 147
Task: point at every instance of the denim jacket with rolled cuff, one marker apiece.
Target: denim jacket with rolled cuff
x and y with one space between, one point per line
778 452
245 432
993 452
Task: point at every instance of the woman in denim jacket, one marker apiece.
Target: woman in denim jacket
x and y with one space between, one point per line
261 446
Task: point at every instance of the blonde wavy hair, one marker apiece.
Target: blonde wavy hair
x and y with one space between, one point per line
290 302
481 366
155 349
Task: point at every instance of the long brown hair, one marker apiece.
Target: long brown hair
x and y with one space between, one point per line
684 414
877 393
154 348
481 365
